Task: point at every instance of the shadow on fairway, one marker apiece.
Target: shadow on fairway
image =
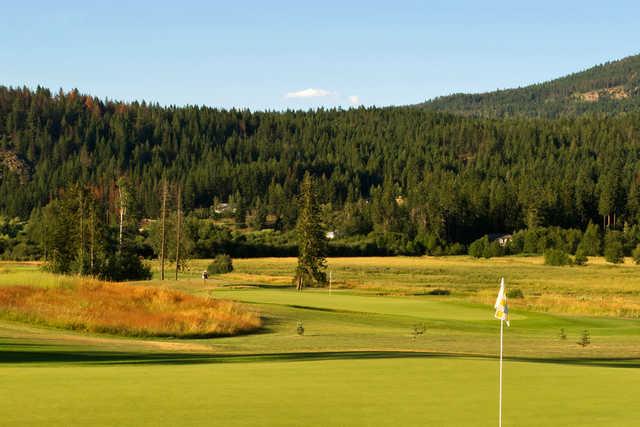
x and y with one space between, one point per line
18 354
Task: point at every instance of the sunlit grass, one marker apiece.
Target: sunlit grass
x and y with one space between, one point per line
116 308
599 289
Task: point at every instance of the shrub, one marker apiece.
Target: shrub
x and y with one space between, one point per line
631 235
590 243
556 257
572 239
636 254
478 248
439 292
431 243
613 250
585 339
220 265
530 244
456 249
125 266
300 328
515 293
580 258
493 250
418 330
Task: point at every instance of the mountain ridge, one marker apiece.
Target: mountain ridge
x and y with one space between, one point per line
608 88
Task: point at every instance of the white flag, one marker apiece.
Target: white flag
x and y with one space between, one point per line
502 310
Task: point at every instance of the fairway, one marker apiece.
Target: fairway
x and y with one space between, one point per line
354 392
358 362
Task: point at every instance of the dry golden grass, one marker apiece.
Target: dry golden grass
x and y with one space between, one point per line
598 289
585 304
116 308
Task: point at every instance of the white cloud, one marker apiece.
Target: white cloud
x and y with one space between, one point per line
308 93
354 100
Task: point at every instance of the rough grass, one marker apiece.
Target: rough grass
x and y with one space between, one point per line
116 308
597 289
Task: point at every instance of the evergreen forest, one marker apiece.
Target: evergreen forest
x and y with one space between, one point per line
389 180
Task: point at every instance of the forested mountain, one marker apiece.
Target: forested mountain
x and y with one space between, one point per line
612 87
404 172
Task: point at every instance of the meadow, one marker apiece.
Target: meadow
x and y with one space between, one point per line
359 361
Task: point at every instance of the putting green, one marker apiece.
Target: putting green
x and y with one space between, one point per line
353 392
422 307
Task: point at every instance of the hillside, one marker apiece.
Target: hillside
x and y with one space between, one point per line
395 174
612 87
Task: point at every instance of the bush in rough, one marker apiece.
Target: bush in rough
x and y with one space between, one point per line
556 257
220 265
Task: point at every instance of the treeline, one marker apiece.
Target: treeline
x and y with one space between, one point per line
556 244
394 180
206 238
73 234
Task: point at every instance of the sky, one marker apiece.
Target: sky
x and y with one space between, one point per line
275 55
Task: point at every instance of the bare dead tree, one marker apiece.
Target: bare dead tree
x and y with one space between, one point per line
163 214
123 196
92 237
178 213
82 204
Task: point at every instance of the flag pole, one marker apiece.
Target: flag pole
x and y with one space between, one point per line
500 405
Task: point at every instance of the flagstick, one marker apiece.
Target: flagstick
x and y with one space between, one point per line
501 331
329 282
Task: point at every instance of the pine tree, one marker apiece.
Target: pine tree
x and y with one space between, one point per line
312 243
590 243
613 249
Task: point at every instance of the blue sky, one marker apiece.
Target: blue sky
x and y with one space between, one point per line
297 54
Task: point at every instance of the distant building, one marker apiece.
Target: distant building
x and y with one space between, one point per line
144 224
502 238
223 208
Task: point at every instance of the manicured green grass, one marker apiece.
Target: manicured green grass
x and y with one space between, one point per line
357 362
30 274
343 321
354 392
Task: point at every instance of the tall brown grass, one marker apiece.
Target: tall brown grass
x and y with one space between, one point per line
117 308
590 305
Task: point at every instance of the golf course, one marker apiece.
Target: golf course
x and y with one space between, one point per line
394 341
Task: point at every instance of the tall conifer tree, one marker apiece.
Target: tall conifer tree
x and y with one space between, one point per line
312 243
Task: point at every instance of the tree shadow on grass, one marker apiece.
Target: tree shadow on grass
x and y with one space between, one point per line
16 354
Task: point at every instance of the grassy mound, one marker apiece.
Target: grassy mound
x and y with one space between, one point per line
115 308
